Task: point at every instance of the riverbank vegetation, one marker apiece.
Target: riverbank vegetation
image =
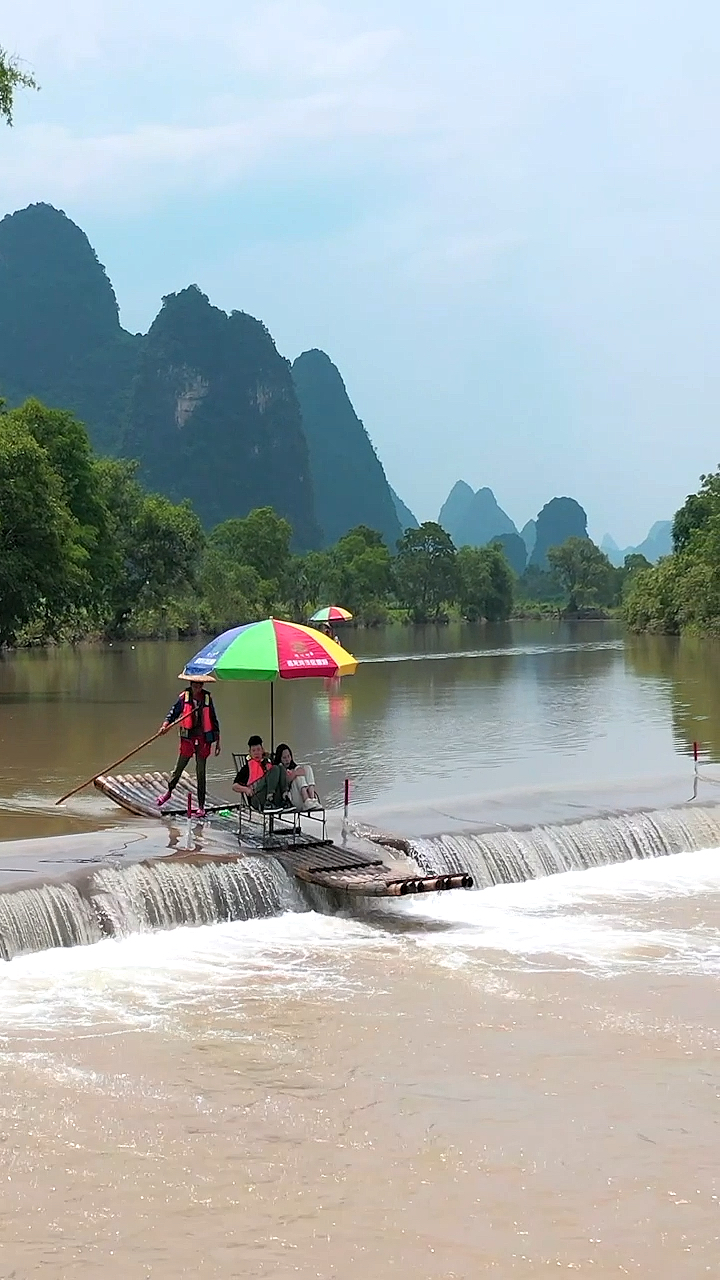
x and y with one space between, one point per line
88 552
681 594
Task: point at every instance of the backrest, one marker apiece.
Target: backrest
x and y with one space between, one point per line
240 759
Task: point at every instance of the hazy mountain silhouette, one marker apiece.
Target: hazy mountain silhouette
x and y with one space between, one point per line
560 519
350 484
60 333
204 400
213 416
404 514
473 519
658 543
515 551
528 533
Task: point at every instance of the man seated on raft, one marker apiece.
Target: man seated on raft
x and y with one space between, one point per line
302 793
263 782
277 783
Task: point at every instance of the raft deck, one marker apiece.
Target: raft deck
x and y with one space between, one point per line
319 862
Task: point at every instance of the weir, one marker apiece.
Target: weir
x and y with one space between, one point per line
511 855
105 901
159 894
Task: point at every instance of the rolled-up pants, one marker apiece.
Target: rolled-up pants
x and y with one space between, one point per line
190 747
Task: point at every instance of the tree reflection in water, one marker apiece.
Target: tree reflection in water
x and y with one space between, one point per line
691 669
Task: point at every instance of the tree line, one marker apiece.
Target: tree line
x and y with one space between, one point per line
87 551
681 594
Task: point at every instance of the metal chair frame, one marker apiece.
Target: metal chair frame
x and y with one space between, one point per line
289 821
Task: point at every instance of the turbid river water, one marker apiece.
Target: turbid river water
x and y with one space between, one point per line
513 1082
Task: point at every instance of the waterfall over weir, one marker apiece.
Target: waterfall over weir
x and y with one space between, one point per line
116 901
511 856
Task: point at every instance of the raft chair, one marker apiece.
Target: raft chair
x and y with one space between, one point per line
277 821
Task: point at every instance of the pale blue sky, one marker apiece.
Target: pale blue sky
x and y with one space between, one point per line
500 221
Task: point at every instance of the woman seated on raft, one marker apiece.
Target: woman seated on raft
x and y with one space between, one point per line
275 784
301 791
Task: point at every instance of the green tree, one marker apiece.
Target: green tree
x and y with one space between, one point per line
361 574
260 539
583 569
681 594
228 593
67 445
695 513
485 583
539 585
356 573
42 560
154 545
12 78
636 563
308 581
425 570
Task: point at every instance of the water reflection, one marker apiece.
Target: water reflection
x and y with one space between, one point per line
689 668
432 713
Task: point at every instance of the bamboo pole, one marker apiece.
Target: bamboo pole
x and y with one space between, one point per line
107 768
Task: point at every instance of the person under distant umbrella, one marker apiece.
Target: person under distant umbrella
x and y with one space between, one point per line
199 729
325 617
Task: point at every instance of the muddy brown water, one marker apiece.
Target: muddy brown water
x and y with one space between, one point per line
518 1082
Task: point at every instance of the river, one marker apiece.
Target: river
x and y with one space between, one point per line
511 1082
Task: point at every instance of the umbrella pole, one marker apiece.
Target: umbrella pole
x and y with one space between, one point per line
272 717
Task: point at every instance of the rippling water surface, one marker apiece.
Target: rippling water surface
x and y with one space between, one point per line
433 713
514 1082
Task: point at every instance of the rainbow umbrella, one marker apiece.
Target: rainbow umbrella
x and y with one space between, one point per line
331 613
268 650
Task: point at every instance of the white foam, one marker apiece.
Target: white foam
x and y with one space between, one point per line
618 916
141 979
607 920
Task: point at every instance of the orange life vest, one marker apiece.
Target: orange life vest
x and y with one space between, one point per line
256 770
186 719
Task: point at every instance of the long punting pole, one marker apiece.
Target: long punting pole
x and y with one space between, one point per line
695 755
108 767
347 804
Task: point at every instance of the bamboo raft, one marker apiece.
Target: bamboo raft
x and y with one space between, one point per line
139 793
319 862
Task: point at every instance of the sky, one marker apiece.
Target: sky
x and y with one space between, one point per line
499 220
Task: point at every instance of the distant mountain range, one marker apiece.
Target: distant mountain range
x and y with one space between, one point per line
204 400
474 518
559 519
348 477
403 513
214 413
658 543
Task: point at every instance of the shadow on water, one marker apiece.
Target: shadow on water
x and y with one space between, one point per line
391 923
